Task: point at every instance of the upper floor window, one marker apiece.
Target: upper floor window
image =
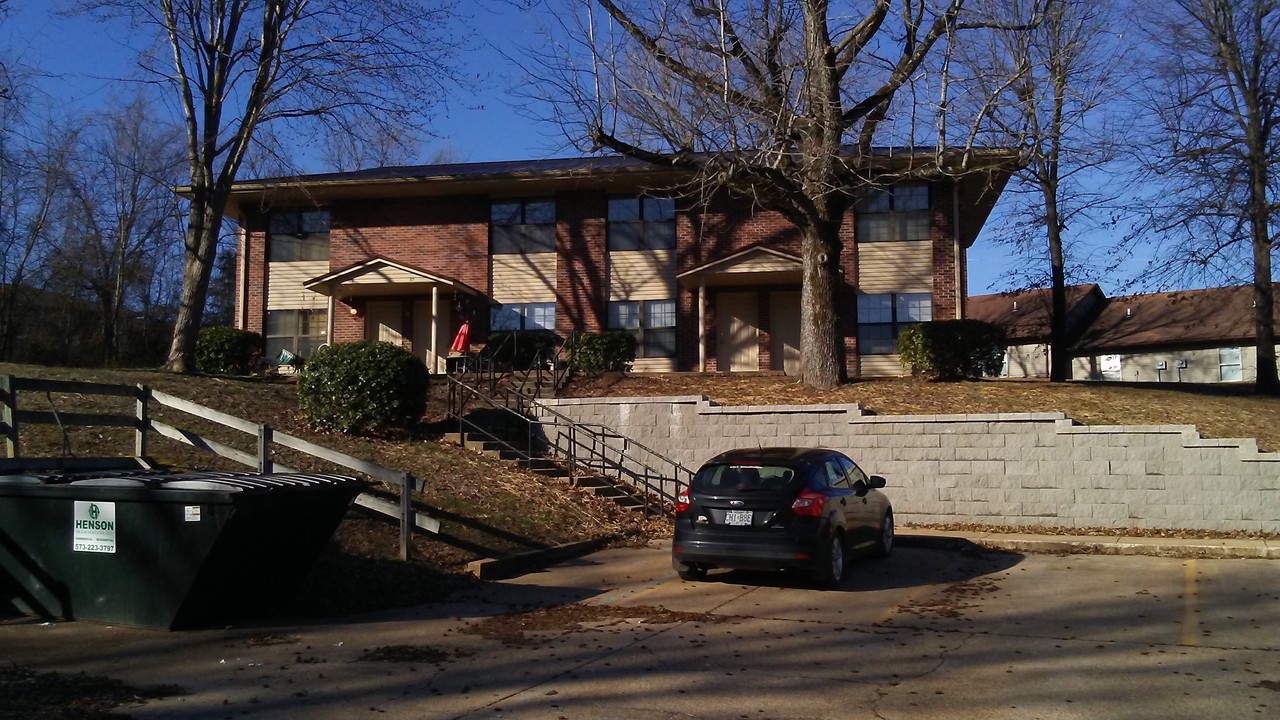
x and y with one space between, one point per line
522 226
881 318
642 223
653 322
298 235
900 212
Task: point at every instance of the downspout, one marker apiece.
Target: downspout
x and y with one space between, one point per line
955 238
242 239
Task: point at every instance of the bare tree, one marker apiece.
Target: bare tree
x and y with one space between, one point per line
780 101
1052 92
125 218
1215 80
238 64
344 150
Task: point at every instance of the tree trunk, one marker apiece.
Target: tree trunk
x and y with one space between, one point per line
1059 360
822 360
204 222
1267 383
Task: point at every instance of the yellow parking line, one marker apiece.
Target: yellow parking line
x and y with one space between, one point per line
1190 624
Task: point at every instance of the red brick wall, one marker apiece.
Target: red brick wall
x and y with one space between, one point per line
449 237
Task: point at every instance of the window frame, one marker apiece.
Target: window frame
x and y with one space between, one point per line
299 238
318 319
523 311
895 324
517 238
900 223
645 230
652 341
1238 365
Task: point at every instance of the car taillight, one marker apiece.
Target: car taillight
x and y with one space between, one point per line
809 504
682 501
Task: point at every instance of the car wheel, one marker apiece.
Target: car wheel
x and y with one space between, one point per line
831 570
691 573
884 544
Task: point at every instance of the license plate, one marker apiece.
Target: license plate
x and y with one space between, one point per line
737 517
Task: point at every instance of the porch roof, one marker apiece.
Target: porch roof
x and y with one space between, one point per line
757 265
380 276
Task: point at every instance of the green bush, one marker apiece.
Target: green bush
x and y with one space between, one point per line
363 387
227 351
611 351
520 349
953 349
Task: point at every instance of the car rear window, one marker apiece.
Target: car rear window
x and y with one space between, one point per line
743 478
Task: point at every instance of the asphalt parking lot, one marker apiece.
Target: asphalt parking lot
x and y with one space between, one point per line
928 633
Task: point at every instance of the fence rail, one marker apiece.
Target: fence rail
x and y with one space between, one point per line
12 418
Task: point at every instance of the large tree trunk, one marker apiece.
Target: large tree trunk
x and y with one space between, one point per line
1059 360
1268 383
204 222
822 359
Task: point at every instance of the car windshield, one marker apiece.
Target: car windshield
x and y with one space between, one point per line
743 478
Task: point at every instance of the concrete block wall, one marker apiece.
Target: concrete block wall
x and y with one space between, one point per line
1038 469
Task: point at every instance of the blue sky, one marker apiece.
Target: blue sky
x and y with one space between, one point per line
85 60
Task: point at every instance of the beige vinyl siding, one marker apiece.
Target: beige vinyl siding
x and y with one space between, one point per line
642 274
385 274
523 278
1202 366
1026 361
900 267
653 365
284 285
759 263
880 366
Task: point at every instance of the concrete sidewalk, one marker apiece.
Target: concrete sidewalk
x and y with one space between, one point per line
1214 548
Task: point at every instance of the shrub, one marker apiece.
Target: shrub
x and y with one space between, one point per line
227 351
520 349
363 387
611 351
953 349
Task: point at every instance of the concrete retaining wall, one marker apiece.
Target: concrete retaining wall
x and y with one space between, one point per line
999 469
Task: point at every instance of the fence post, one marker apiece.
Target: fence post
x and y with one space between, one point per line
406 515
264 449
144 421
9 415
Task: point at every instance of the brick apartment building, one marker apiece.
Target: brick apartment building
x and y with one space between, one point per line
408 254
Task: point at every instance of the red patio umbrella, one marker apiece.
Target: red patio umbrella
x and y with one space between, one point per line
460 341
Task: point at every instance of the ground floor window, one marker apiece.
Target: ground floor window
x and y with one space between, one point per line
1230 368
522 316
298 331
883 316
653 322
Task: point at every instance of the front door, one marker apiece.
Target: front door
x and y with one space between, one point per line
784 320
384 320
737 333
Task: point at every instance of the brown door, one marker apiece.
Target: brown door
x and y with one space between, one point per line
785 326
737 332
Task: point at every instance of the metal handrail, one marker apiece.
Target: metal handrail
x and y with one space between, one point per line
580 445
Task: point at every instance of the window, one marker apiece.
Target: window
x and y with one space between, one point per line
298 235
1229 365
881 318
642 223
897 213
653 322
298 331
522 226
523 316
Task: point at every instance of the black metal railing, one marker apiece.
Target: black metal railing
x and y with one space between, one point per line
582 449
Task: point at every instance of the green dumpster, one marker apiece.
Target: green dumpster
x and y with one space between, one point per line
162 550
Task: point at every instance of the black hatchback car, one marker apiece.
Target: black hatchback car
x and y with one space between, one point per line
776 508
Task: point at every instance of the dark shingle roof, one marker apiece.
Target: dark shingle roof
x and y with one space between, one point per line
1025 314
1183 317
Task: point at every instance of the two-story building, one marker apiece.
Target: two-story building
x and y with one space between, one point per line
408 254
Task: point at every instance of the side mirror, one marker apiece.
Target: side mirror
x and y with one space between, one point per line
876 481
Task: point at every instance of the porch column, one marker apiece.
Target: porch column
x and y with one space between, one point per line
702 324
435 330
